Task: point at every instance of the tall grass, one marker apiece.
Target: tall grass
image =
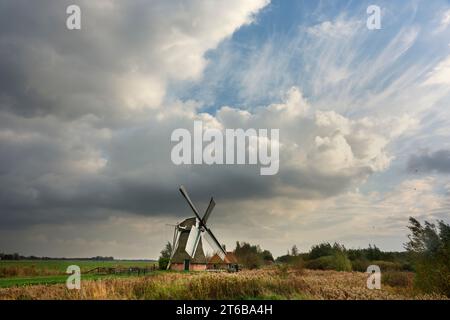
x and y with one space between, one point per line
262 284
21 271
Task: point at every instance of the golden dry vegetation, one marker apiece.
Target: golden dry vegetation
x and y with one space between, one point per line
263 284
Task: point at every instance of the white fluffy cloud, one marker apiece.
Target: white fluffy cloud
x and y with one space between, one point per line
318 145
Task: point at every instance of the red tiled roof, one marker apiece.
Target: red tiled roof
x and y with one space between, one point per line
229 258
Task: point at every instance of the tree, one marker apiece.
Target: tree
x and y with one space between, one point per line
164 258
374 253
167 251
430 247
251 256
267 256
320 250
326 249
294 250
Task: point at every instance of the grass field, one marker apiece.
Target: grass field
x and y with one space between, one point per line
270 283
32 272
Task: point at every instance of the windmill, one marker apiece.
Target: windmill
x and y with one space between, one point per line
187 245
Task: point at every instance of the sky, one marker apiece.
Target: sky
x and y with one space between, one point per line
86 118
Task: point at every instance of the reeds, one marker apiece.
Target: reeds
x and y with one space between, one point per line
262 284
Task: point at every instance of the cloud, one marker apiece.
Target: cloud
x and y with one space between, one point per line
337 28
444 21
71 169
437 161
121 60
86 118
355 218
337 62
79 108
440 75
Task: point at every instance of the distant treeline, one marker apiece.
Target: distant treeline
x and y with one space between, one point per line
327 256
16 256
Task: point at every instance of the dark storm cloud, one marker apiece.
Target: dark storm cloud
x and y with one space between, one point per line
437 161
40 185
29 35
76 139
319 185
47 69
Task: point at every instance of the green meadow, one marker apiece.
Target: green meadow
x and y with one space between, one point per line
30 272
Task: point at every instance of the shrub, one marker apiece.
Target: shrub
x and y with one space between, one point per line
282 270
298 265
360 265
387 265
397 279
407 266
163 262
251 261
342 263
338 262
433 275
252 256
164 259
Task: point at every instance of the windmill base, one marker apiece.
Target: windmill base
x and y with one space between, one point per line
192 266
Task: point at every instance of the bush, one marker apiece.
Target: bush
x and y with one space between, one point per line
397 279
388 266
338 262
407 266
163 262
385 266
342 263
433 275
252 256
298 265
164 259
282 270
360 265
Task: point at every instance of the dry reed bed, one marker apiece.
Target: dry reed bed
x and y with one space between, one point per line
27 271
265 284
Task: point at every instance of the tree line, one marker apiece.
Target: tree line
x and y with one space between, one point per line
17 256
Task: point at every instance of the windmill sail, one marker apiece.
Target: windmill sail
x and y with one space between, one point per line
208 210
176 241
191 204
215 245
193 240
